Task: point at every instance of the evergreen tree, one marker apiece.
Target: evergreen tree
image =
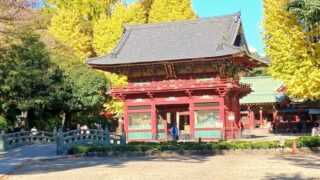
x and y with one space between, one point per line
171 10
292 53
28 80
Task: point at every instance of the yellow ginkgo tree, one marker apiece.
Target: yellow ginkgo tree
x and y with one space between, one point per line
108 29
171 10
293 54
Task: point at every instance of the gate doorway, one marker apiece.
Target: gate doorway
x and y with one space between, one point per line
168 115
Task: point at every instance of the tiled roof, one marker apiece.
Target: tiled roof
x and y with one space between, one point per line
265 90
199 38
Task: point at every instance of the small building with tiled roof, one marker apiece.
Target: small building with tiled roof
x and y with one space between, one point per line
265 90
260 104
268 103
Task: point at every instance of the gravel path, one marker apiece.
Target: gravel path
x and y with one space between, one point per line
185 168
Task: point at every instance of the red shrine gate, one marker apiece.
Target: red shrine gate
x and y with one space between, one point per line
198 108
184 73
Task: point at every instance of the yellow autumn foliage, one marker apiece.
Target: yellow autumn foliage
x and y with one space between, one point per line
108 29
293 57
66 26
113 105
171 10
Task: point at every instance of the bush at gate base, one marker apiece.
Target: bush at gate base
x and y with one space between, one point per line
223 145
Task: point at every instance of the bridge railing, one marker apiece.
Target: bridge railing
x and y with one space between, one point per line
87 137
63 140
12 140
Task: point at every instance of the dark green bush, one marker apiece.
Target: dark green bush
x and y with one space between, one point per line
181 146
308 141
78 149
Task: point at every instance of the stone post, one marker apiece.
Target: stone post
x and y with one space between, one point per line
106 136
54 135
59 141
123 139
2 141
43 140
19 139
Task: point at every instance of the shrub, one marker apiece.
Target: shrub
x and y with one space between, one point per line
308 141
3 123
78 149
181 146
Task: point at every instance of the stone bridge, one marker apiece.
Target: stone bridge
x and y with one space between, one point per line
62 140
20 147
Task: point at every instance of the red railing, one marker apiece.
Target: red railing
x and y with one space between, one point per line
180 85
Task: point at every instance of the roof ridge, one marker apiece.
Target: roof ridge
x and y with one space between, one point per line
179 22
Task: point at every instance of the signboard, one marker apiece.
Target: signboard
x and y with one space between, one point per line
231 116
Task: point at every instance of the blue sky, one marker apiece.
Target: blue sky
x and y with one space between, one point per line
251 11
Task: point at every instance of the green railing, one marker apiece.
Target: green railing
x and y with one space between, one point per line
210 134
139 135
139 127
161 135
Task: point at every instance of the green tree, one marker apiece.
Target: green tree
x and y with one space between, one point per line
171 10
27 75
28 80
307 11
84 89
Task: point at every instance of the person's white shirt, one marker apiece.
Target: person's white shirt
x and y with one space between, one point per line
34 131
85 128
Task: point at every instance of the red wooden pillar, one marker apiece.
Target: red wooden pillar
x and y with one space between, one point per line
126 120
261 117
275 117
251 118
154 121
191 112
223 117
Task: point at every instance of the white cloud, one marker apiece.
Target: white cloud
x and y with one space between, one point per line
252 49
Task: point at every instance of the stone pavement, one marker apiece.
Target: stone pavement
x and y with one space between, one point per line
13 158
227 167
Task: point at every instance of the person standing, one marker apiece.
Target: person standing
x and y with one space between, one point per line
174 133
34 131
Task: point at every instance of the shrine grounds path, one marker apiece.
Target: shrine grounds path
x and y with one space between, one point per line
197 167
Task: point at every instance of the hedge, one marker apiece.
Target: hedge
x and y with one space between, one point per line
307 141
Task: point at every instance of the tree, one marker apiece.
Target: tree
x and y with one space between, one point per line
27 75
66 26
108 30
72 22
88 9
147 6
307 11
113 105
28 80
292 53
84 89
171 10
13 15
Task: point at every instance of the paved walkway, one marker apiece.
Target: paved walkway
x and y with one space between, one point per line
13 158
297 167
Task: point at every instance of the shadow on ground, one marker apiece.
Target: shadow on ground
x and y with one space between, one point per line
303 161
283 176
70 163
